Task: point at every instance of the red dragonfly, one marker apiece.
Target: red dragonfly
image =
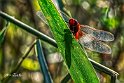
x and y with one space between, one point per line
87 36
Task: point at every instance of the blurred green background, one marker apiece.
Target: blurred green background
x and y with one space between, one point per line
101 14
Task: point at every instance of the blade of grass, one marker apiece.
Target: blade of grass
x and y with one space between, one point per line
79 67
42 61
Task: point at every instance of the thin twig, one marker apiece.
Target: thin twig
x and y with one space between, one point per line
6 79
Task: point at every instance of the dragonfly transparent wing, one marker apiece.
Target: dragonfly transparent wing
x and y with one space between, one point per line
98 34
42 17
65 16
94 45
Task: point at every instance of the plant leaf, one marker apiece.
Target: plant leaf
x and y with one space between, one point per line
79 66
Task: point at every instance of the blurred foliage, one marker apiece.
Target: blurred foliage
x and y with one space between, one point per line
109 20
30 64
101 14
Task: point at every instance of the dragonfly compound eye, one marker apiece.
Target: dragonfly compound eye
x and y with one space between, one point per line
72 21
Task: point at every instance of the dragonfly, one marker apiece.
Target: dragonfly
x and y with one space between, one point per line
89 37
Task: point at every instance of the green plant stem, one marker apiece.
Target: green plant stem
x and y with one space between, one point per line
6 79
28 28
102 68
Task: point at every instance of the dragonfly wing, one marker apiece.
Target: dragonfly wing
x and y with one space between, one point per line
98 34
65 16
94 45
41 16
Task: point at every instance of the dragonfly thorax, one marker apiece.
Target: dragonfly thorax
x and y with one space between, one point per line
74 26
73 22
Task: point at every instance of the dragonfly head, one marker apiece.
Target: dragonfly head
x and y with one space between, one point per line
73 22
